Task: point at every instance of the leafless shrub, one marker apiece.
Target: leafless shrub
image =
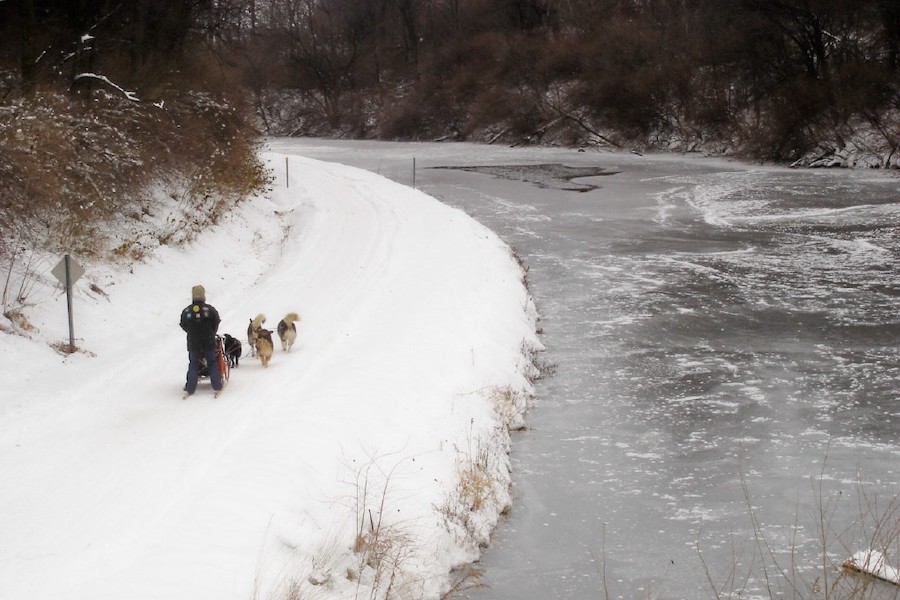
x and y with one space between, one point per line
21 262
73 171
510 405
829 574
469 577
384 548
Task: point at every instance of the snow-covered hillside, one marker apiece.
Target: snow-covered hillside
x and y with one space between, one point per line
334 473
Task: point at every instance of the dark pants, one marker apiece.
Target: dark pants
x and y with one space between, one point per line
193 373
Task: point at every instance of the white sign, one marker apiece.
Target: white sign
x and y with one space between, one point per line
68 271
75 271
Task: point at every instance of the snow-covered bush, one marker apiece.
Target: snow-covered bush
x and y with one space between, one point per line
74 174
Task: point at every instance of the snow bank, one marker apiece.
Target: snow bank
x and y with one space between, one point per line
371 459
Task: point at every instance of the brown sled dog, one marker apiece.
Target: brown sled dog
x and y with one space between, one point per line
264 346
252 329
287 331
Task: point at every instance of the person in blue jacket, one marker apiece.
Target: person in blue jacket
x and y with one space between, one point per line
201 322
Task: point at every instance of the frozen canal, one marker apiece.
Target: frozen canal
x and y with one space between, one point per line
723 336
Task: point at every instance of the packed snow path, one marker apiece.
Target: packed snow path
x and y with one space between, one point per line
115 487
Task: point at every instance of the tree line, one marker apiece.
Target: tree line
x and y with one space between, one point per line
763 79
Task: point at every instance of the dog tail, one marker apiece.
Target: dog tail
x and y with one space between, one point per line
258 321
291 317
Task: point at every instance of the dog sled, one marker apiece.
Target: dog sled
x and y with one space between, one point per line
224 366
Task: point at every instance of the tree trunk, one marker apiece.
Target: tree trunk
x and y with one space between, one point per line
27 51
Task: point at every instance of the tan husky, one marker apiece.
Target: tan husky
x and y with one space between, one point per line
264 346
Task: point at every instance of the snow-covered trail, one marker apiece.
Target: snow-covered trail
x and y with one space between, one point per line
116 488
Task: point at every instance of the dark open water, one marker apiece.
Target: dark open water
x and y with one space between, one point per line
724 336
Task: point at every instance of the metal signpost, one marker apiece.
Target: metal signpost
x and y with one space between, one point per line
67 271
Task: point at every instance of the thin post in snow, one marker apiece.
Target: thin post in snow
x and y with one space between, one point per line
68 260
414 172
67 272
287 179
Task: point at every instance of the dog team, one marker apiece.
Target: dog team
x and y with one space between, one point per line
200 321
260 339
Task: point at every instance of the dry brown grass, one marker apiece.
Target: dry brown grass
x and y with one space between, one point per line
482 480
383 546
469 577
73 171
